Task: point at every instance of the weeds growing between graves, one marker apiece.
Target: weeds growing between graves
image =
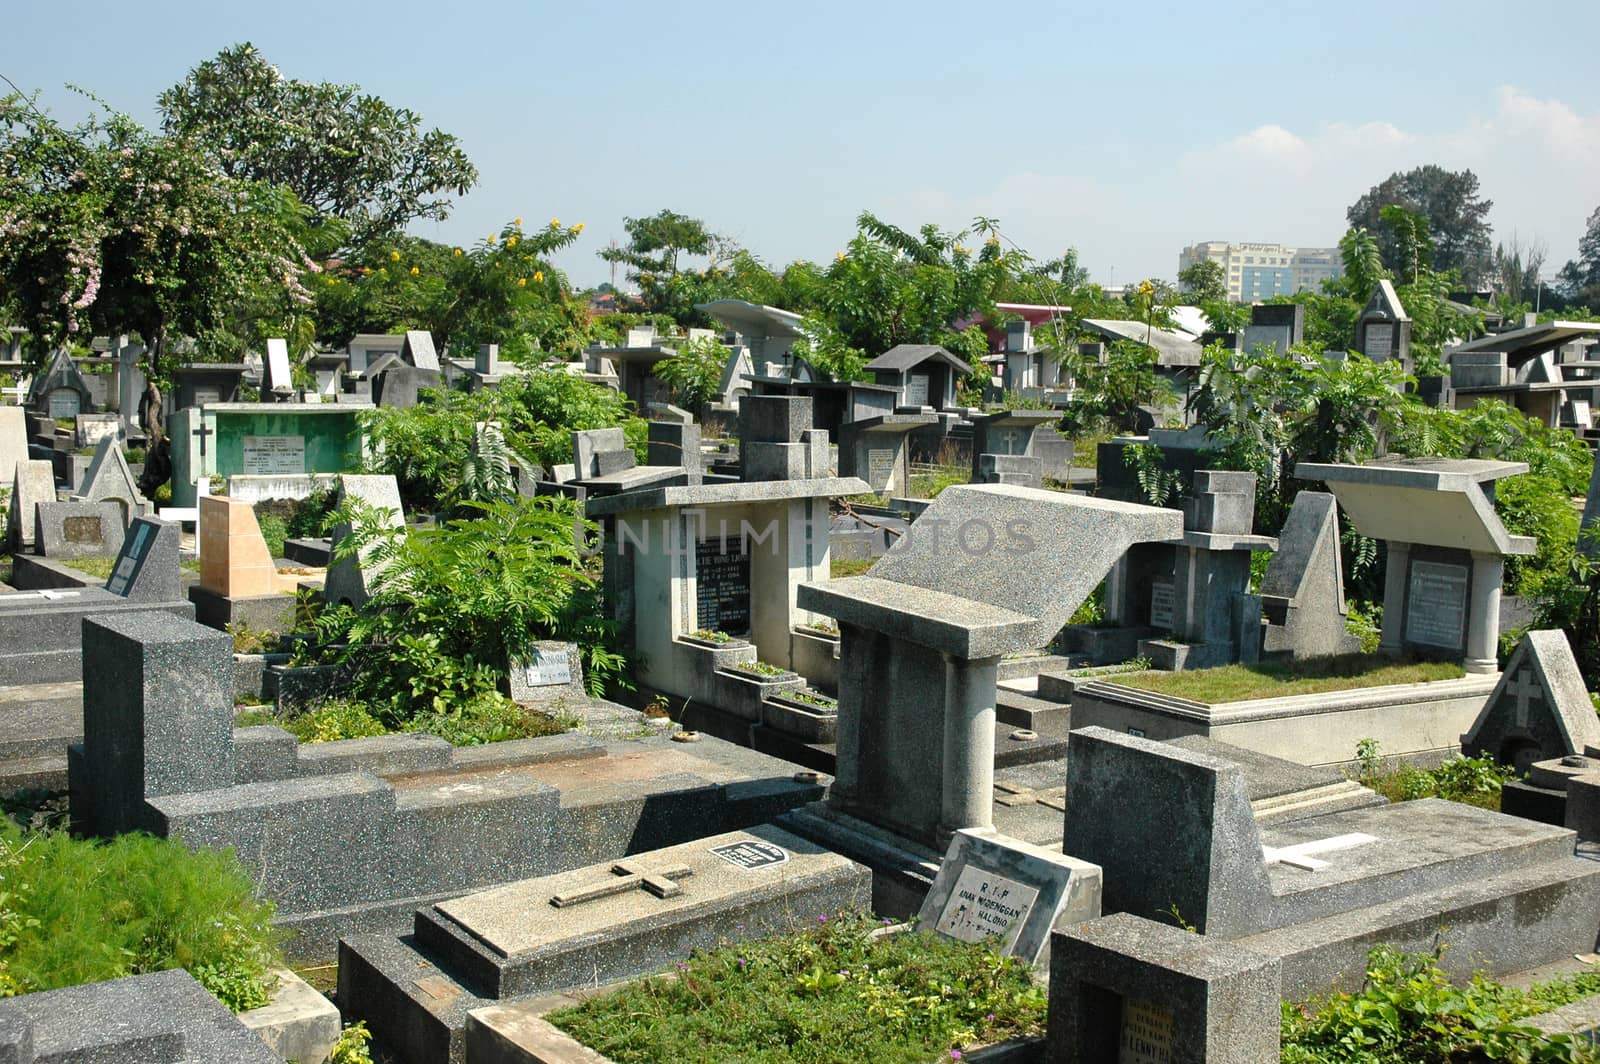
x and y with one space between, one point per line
1470 780
1409 1012
75 911
488 718
831 992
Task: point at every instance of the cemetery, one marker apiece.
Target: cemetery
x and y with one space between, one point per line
409 655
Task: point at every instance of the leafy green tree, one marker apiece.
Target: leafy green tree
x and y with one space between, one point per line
107 228
1456 213
1202 281
894 287
1580 277
1110 393
655 246
1413 244
695 373
347 155
503 290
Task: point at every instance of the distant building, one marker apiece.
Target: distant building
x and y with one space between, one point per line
1260 271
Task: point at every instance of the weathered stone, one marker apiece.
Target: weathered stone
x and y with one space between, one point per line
33 483
419 350
78 529
157 713
995 888
1540 710
1126 988
109 478
554 674
13 442
1302 593
349 580
774 419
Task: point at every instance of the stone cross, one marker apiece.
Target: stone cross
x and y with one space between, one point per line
203 432
1299 855
1011 794
1526 690
630 877
1011 437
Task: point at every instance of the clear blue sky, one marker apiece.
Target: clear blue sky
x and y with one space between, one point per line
1125 130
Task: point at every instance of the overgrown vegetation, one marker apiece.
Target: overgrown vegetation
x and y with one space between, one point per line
1470 780
486 718
833 991
77 911
1274 679
1409 1012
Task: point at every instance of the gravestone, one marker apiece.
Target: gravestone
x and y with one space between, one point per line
60 391
597 452
33 483
157 713
13 441
277 379
876 449
1302 593
554 673
146 570
676 443
722 586
1539 711
110 480
487 361
1383 331
418 350
777 442
78 529
234 561
349 580
996 888
1127 989
92 428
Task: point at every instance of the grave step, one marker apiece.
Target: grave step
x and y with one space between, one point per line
1523 917
1023 710
407 996
40 720
46 773
40 666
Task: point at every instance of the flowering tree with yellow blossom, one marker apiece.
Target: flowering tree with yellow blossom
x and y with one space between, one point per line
501 290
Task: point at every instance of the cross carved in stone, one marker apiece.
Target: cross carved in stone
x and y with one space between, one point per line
1525 689
1011 794
203 431
1300 854
660 882
1013 439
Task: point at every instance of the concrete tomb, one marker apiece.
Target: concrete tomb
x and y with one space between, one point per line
924 375
1004 446
876 450
110 479
78 529
33 483
987 570
1302 593
264 450
591 925
1174 832
1383 331
239 579
1446 549
61 391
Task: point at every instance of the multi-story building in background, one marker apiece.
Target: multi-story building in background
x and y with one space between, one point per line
1260 271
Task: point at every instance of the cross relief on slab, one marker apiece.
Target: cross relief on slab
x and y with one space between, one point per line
660 882
1011 794
1525 689
1300 855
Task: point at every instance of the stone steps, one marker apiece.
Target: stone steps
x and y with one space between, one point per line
37 724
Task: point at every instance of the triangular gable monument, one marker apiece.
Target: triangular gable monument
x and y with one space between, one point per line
1540 710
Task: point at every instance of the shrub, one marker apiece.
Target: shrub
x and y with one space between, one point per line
1408 1012
84 911
274 530
333 720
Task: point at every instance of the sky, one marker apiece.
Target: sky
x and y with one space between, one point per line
1126 131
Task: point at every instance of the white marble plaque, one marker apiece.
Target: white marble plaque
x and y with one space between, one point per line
1436 604
549 668
1380 341
274 456
207 396
986 905
1161 603
1146 1036
917 389
64 402
880 467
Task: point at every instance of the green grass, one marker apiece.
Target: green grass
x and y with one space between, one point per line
828 993
929 485
75 911
489 718
842 567
100 568
1240 683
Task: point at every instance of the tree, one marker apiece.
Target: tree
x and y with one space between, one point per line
503 290
108 228
1517 265
695 372
346 155
1457 218
654 246
1203 281
894 287
1580 277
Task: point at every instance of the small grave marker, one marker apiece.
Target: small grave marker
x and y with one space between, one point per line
1436 610
750 853
1161 605
1146 1036
986 905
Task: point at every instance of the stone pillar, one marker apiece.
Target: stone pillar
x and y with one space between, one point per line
1483 614
1394 598
1116 605
968 794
